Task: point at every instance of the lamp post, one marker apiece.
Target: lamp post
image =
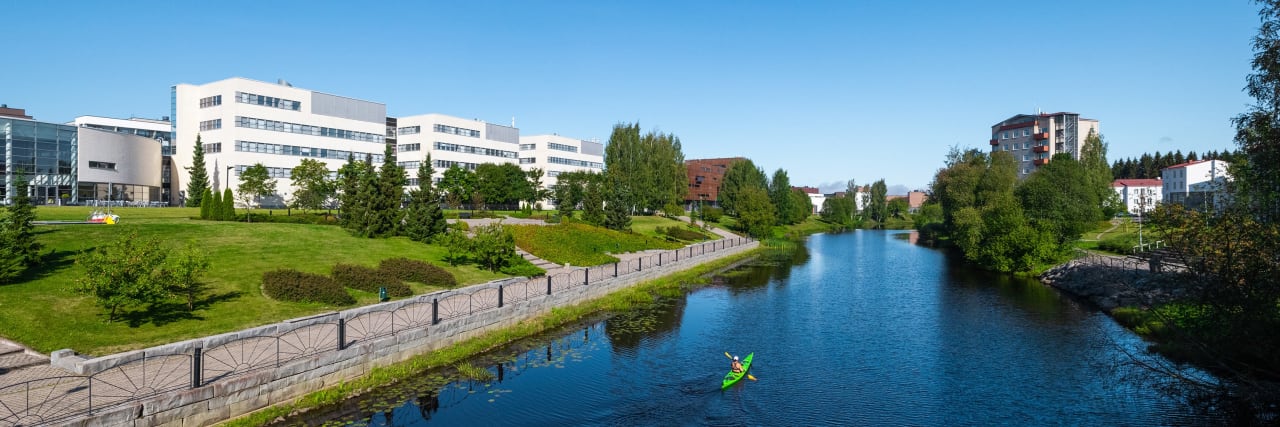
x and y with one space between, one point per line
229 176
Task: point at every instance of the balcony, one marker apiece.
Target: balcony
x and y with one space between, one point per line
995 141
1041 135
1040 162
1040 149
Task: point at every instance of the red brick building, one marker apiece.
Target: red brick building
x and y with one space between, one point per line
705 176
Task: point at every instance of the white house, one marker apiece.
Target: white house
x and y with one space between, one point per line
1139 195
1195 183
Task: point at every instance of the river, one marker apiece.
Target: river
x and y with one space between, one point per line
860 328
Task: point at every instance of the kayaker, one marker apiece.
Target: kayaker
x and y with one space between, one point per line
736 366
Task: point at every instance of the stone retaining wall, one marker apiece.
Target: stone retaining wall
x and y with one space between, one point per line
241 389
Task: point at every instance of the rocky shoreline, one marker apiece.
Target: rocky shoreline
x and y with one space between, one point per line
1112 282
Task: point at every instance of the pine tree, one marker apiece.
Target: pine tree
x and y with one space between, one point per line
198 182
385 207
19 249
349 181
206 209
423 218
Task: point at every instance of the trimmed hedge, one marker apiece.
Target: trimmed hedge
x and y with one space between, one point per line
294 285
683 233
369 280
412 270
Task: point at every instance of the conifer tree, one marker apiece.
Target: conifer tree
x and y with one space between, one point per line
198 182
423 219
206 209
215 205
228 206
19 249
349 180
385 206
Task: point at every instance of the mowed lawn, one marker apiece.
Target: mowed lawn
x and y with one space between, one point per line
43 312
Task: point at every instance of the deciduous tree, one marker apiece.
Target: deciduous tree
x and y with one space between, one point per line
126 272
255 183
312 186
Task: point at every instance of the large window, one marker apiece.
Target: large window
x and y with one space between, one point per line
277 173
457 131
572 162
526 147
410 164
528 160
102 165
268 101
402 148
211 124
444 146
210 101
409 130
213 147
278 126
294 150
562 147
445 164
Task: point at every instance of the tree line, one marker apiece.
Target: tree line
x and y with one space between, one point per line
1149 165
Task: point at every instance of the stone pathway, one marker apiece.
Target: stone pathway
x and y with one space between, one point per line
18 364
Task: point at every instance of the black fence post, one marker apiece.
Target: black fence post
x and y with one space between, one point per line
196 356
342 333
435 311
659 259
548 285
586 276
499 296
615 269
677 255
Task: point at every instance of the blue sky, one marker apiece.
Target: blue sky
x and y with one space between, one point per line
829 91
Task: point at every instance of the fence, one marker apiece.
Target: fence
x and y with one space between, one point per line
130 377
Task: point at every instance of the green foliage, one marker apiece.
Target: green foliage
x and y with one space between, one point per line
198 181
878 206
127 272
19 249
520 267
593 201
255 183
582 244
456 244
648 168
383 195
801 207
839 211
216 209
412 270
351 209
756 213
1258 129
423 218
683 233
493 246
312 186
503 184
1058 199
570 189
206 207
616 214
712 213
780 196
297 286
1119 244
741 175
538 192
369 280
187 266
227 210
458 184
897 208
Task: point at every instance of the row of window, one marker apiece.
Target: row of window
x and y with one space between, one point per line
409 130
572 162
562 147
102 165
210 101
444 146
268 101
528 160
1026 145
275 173
527 147
403 148
457 131
294 150
410 164
1014 134
211 124
446 164
213 147
278 126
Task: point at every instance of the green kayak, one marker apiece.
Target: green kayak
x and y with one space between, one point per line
732 378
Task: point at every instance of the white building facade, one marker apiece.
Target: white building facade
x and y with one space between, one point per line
243 122
555 154
451 141
1033 139
1195 183
1139 195
161 131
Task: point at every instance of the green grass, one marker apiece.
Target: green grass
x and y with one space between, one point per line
581 244
42 312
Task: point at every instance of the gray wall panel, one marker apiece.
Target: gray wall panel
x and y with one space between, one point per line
501 133
592 148
336 106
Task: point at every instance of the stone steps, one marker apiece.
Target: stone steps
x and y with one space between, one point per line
538 262
13 358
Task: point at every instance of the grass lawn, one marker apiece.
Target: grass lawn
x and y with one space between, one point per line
648 225
582 244
41 311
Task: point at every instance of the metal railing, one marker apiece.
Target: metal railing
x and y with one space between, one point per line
146 373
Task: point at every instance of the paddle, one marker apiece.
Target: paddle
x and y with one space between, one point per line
726 354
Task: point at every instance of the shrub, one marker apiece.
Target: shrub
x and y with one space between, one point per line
1121 244
518 266
460 226
412 270
369 280
682 233
712 214
294 285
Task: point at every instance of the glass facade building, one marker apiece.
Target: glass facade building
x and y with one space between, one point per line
44 154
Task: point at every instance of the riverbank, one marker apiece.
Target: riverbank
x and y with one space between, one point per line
1111 282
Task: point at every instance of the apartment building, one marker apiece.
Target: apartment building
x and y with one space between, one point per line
1033 139
65 164
555 154
1195 183
704 177
242 122
1139 195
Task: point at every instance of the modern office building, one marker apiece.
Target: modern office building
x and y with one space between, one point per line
1139 195
1195 183
555 154
160 130
66 164
1034 138
451 141
243 122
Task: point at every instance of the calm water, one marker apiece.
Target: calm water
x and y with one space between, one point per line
855 329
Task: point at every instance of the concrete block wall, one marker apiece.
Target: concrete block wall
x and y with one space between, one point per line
225 398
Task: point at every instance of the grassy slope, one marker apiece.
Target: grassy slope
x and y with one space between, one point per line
581 244
44 313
